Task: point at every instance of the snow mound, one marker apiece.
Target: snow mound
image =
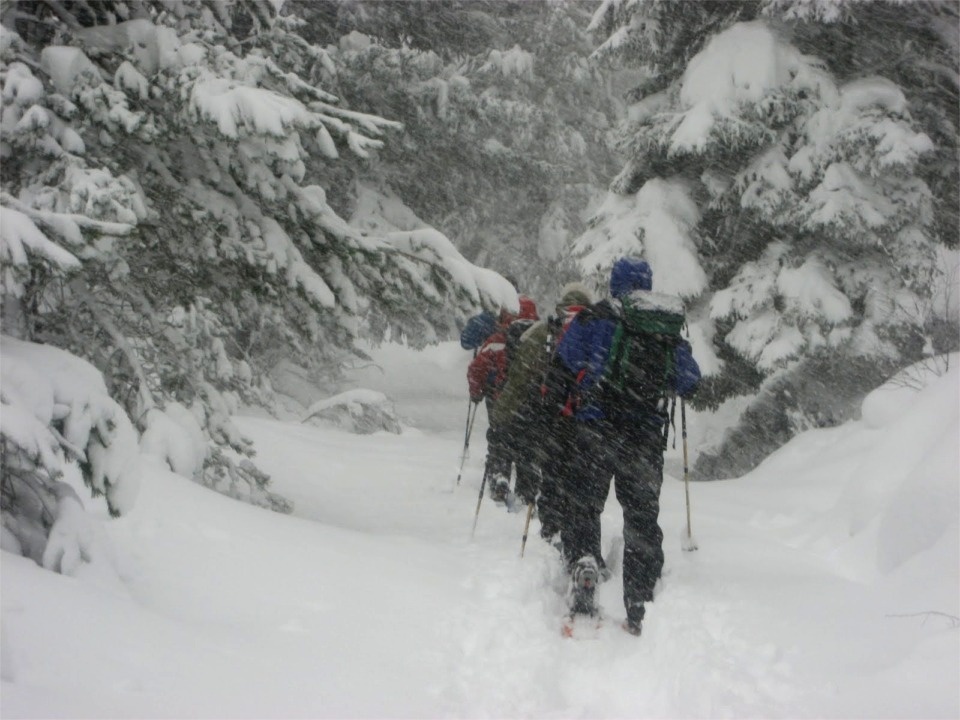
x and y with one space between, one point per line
174 436
359 411
895 473
907 487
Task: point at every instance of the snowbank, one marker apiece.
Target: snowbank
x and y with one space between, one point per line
907 490
895 473
174 436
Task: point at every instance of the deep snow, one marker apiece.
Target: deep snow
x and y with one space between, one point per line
826 584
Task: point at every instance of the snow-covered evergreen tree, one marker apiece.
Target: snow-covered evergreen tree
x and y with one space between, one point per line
166 169
785 198
506 124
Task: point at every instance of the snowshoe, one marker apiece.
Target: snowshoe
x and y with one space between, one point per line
581 627
584 576
585 617
499 491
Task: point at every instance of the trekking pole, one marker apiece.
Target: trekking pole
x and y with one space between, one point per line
476 515
526 528
471 416
689 544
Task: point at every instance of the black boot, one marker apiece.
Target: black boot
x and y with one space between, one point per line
499 488
634 621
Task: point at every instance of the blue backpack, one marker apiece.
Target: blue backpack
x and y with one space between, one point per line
477 330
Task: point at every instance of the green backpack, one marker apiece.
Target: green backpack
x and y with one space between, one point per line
639 372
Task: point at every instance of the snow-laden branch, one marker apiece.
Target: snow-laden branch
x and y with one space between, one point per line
59 221
19 236
434 250
103 319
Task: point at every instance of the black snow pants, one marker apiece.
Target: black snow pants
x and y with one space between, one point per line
508 449
633 456
555 446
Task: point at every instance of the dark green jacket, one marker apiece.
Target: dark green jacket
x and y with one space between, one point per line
520 396
523 376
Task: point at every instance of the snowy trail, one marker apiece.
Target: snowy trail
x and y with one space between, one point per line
501 632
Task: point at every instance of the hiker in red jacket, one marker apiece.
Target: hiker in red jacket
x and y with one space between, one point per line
486 376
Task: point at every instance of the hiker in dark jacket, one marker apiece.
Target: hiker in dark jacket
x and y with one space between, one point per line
525 405
618 434
486 376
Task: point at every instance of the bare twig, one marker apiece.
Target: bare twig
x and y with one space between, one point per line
952 619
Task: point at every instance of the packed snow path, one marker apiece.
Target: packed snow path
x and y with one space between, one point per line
373 600
746 626
705 649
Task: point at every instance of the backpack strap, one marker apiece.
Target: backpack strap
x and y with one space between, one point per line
671 424
617 357
556 327
572 404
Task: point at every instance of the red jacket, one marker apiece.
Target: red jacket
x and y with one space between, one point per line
488 370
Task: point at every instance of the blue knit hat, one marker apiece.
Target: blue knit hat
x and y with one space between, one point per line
630 274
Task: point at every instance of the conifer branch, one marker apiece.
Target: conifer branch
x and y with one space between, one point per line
79 288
